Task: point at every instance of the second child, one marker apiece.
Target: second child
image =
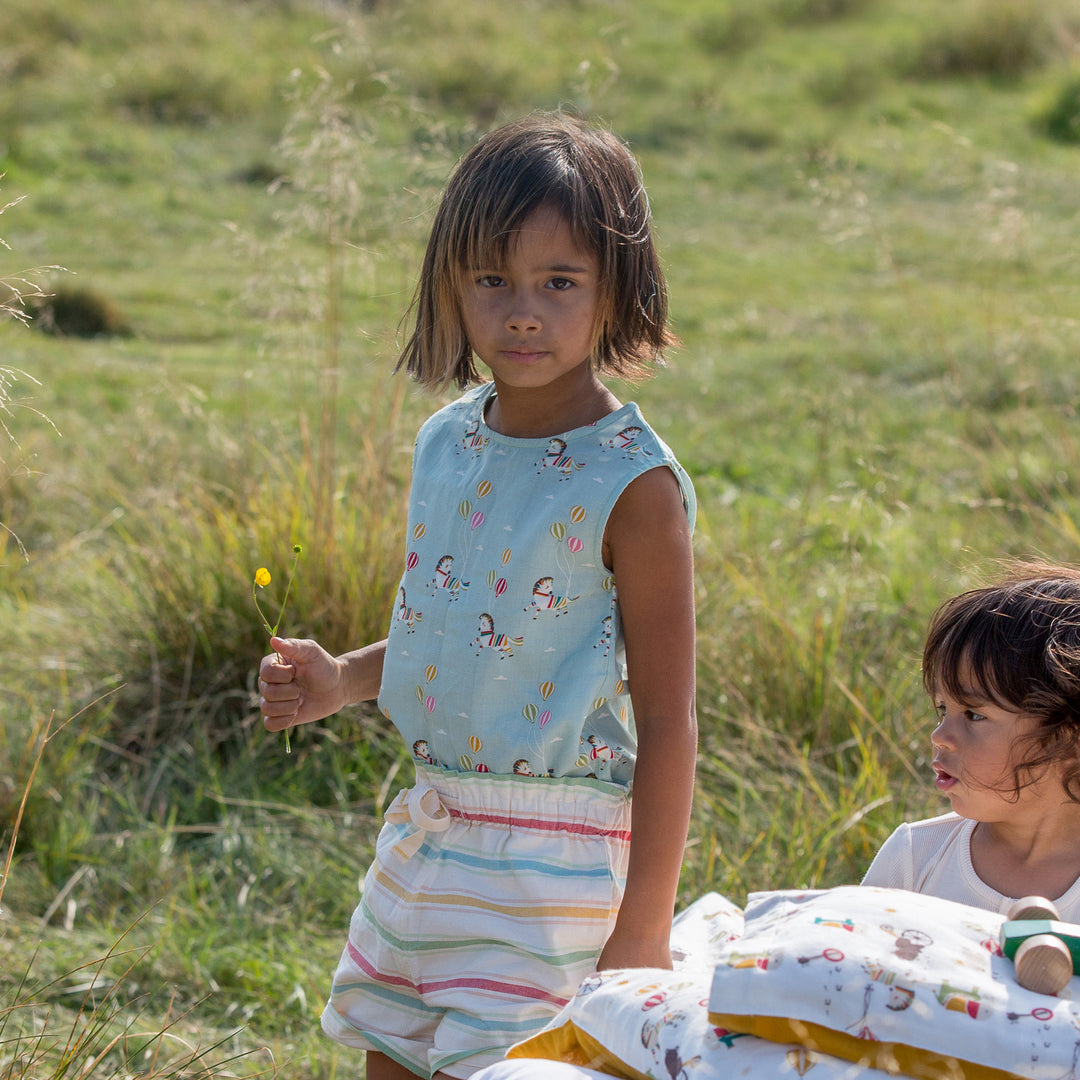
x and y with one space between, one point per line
1002 666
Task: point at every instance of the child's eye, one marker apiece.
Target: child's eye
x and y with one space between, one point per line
489 281
941 710
561 284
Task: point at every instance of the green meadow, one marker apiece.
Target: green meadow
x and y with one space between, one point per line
213 217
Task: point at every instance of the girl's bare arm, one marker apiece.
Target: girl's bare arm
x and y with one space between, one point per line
649 547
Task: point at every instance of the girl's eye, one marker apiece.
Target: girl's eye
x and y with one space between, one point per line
941 710
489 281
561 284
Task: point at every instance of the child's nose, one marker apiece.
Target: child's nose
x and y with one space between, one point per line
522 319
942 735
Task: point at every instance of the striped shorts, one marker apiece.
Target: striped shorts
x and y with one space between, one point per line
489 900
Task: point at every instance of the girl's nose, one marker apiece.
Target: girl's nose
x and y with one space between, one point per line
521 320
942 736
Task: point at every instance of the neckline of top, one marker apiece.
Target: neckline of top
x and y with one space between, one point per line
485 394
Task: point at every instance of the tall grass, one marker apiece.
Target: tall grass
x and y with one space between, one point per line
176 772
95 1020
876 396
18 291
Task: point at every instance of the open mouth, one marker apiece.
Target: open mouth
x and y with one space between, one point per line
943 779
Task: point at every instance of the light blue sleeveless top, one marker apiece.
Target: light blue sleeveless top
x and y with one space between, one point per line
505 651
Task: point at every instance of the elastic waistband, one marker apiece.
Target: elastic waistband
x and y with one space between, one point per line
570 804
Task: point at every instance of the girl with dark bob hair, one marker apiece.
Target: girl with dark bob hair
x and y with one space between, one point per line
1001 664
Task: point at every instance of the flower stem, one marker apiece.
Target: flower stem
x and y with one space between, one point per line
272 630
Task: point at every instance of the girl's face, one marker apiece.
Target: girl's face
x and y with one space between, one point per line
533 320
975 755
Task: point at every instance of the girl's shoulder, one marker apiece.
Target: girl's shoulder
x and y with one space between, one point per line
917 851
928 835
470 403
459 416
944 825
926 838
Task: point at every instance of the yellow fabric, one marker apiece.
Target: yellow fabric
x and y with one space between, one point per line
893 1058
571 1044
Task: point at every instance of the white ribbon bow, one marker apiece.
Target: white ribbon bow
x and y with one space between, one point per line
423 809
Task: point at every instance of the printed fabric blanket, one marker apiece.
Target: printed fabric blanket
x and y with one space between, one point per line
837 983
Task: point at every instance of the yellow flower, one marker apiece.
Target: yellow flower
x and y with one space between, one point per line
261 580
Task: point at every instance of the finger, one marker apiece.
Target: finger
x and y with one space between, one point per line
279 693
279 714
279 723
271 671
296 648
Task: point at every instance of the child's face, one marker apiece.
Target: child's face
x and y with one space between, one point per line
975 756
532 321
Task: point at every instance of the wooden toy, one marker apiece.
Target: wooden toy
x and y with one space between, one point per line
1045 950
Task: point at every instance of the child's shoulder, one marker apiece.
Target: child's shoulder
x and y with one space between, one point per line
916 848
924 838
466 411
471 401
943 825
930 834
626 430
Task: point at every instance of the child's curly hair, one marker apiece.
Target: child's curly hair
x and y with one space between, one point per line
592 180
1018 641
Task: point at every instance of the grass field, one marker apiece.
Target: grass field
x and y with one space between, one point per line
868 217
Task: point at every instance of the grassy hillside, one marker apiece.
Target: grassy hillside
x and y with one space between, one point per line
867 212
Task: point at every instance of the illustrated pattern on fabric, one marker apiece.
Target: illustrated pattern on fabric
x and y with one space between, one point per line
832 984
655 1023
880 966
505 649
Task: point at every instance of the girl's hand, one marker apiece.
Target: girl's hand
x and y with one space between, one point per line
634 952
299 683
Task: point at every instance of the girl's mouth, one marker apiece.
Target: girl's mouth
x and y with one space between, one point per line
943 780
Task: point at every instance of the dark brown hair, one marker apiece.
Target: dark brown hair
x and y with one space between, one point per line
1019 643
592 180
